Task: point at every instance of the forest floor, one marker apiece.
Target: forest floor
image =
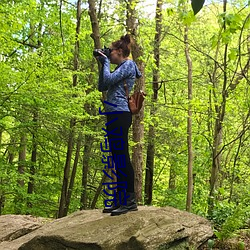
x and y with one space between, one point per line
241 242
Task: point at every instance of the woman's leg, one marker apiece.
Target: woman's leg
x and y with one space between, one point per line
118 133
125 172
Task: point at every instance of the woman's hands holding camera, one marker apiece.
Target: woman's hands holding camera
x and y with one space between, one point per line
101 58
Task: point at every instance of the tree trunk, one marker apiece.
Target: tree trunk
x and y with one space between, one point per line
98 191
189 125
11 152
97 44
95 31
94 24
19 198
32 167
9 160
137 126
172 178
77 43
172 170
217 142
151 134
66 176
2 198
85 170
73 174
35 112
1 135
21 159
64 191
33 156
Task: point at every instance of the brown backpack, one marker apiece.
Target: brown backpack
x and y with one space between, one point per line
135 101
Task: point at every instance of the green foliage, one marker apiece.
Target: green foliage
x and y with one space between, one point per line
221 212
241 245
38 80
210 244
233 222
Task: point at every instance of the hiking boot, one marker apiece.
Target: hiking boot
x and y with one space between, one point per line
130 205
114 205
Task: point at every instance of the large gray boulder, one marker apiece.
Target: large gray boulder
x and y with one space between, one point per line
15 226
148 228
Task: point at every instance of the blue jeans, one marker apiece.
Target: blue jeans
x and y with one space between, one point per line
118 142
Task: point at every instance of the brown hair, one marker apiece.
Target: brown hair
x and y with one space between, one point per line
124 44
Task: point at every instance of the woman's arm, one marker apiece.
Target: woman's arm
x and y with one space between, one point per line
101 86
123 72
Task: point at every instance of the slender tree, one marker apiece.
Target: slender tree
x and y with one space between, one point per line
137 126
189 123
218 127
97 43
151 134
63 208
22 158
73 173
35 111
228 86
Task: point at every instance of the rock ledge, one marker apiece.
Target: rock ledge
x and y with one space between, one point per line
149 228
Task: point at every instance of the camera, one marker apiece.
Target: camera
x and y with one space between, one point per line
106 51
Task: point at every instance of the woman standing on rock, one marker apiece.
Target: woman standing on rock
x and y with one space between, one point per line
118 124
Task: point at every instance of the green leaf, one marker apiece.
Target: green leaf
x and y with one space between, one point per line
170 11
197 5
241 245
226 36
214 40
210 244
188 17
233 54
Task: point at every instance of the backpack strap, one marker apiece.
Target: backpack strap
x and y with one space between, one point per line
126 89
